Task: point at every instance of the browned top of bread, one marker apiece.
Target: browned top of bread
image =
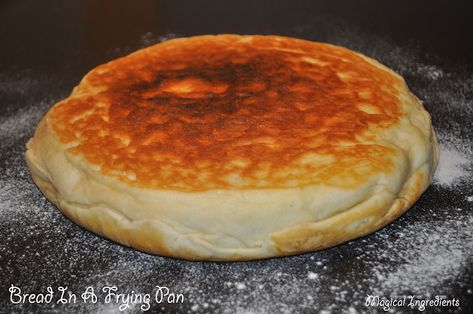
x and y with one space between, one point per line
227 111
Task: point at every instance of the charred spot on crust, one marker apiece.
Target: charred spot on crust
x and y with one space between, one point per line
212 113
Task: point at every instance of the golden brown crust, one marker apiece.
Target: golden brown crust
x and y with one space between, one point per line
222 112
247 189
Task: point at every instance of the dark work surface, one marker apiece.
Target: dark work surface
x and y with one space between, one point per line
47 46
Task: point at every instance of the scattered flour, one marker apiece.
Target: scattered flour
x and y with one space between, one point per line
431 72
312 275
432 254
19 124
452 166
149 38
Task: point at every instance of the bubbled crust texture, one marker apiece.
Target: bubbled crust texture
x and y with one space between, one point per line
235 147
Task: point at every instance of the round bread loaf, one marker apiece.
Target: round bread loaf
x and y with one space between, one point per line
235 147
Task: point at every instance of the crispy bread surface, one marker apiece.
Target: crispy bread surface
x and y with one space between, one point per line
235 147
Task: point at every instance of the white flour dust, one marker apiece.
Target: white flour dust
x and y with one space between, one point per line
452 166
149 38
19 124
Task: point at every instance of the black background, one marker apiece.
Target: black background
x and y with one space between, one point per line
48 34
